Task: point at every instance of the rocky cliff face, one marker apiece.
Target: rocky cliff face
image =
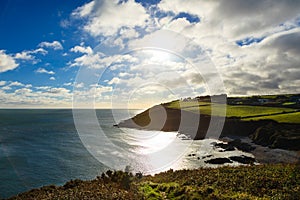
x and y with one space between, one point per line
275 135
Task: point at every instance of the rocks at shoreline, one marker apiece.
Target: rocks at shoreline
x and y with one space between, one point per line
243 159
218 161
237 143
233 145
208 156
225 147
240 159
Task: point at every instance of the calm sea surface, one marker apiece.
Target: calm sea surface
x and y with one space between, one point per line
42 147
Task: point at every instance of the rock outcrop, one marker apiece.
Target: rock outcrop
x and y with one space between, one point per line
242 159
275 135
218 161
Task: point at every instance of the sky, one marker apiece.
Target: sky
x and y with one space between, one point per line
134 54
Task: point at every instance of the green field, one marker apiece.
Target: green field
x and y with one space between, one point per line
282 118
245 112
186 104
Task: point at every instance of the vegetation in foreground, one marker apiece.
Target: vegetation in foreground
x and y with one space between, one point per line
280 181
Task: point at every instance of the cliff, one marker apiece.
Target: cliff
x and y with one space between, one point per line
263 132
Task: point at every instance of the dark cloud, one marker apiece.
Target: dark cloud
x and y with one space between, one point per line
289 43
248 18
280 9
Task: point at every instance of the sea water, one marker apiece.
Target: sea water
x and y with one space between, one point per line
42 146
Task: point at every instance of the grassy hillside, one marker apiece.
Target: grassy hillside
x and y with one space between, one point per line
244 182
281 118
245 112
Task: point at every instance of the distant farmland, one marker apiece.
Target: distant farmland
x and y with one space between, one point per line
244 112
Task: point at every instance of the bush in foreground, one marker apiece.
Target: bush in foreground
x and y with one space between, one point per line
281 181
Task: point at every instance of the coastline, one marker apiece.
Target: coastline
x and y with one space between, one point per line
237 133
265 132
266 155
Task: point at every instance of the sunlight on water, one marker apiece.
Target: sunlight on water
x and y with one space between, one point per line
156 151
149 141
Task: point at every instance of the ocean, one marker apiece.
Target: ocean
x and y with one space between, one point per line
44 146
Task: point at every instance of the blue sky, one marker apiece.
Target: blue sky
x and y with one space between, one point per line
139 53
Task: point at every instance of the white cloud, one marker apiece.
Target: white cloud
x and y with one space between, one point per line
161 39
99 94
6 88
44 71
124 74
56 45
30 55
43 96
100 89
267 66
24 56
52 78
84 10
99 60
2 83
65 23
43 87
79 85
179 24
82 49
68 84
271 66
60 90
23 91
129 33
120 40
107 17
114 80
243 18
39 50
16 83
7 62
93 60
236 19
